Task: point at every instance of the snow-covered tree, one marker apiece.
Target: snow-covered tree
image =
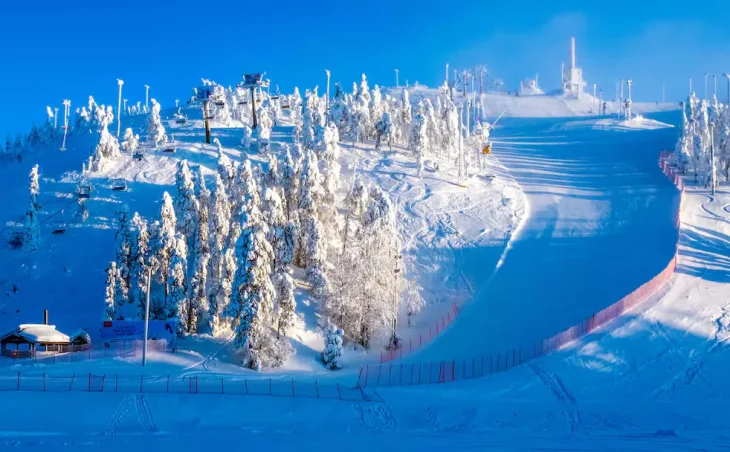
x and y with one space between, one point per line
131 141
138 263
201 256
289 181
263 131
285 303
108 147
155 130
295 106
384 130
110 309
247 137
177 303
162 243
220 224
332 347
32 225
123 257
253 297
186 203
418 137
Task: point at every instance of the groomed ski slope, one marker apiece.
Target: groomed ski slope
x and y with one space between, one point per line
599 223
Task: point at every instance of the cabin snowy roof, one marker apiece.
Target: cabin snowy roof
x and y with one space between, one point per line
38 333
81 334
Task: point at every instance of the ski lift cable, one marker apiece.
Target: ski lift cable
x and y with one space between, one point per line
25 234
23 216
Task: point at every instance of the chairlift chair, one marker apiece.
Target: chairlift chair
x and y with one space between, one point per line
59 228
83 191
180 119
119 185
138 155
169 149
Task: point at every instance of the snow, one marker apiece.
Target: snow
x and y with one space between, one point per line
39 333
576 215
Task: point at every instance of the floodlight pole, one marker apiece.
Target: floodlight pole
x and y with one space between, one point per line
593 101
119 108
147 98
66 112
327 100
177 103
125 106
147 316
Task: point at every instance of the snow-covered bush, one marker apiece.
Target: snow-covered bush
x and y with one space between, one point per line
155 129
332 347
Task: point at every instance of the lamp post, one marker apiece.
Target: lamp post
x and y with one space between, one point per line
147 316
394 338
397 85
447 73
66 112
119 107
125 106
147 98
714 82
327 101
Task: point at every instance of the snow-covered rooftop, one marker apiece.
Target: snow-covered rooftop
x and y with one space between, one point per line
39 333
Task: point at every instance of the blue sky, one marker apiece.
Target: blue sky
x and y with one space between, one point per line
54 50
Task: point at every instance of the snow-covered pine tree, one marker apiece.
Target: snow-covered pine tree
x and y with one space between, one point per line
155 130
246 140
404 117
130 142
314 248
226 170
309 198
263 131
110 309
186 203
138 264
418 137
253 297
219 226
384 130
177 303
332 347
32 226
308 123
272 179
295 106
162 242
289 182
123 258
201 255
286 304
108 147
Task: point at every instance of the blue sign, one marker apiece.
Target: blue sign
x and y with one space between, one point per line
133 330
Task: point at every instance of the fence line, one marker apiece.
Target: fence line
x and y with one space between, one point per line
444 371
165 384
433 332
63 354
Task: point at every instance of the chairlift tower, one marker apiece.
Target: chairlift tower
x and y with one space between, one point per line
119 107
629 82
253 81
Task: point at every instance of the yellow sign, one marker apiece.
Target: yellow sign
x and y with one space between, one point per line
487 149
